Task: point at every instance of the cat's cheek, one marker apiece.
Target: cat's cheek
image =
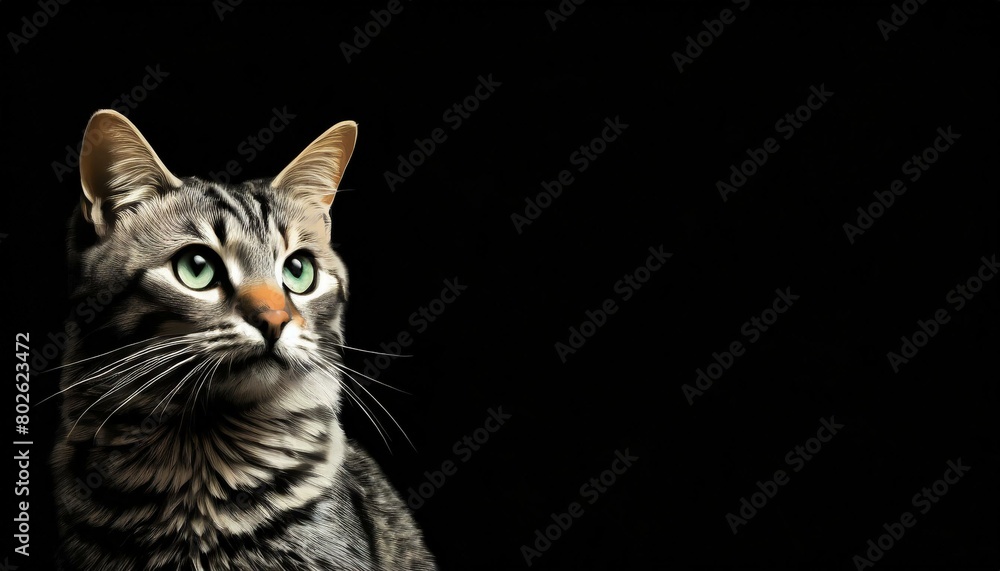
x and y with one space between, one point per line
293 331
250 335
252 342
209 296
325 283
291 338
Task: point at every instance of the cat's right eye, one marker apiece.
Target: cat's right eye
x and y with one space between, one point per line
197 268
299 273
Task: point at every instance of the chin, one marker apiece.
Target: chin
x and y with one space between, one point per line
261 375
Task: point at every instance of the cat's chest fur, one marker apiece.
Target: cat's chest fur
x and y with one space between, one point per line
227 479
212 493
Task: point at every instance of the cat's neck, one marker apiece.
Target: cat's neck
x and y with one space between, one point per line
223 471
219 445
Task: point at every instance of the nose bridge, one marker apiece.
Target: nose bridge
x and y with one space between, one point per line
261 296
256 265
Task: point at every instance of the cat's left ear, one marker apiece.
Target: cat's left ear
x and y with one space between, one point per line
315 174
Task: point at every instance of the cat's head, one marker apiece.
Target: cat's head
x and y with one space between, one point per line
236 285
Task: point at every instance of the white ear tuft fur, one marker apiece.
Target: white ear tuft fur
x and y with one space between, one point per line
315 174
118 168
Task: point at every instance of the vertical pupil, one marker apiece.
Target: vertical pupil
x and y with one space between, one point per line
295 266
198 264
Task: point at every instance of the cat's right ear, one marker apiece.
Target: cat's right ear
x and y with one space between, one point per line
118 168
316 173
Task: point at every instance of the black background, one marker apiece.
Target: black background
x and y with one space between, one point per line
655 185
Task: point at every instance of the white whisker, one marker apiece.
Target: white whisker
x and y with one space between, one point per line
74 363
345 368
149 366
98 373
386 411
146 385
377 424
362 387
170 395
368 350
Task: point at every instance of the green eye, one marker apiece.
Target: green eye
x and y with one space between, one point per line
196 268
299 273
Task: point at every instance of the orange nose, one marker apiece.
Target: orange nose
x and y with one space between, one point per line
271 323
263 306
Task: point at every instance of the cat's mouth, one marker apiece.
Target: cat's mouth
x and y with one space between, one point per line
255 374
262 359
274 358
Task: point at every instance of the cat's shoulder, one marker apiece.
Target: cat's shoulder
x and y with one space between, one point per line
362 473
395 539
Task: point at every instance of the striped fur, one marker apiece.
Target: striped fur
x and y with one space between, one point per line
185 442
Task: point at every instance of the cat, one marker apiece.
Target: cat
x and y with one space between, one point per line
199 424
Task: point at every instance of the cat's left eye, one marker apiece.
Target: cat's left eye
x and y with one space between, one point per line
299 273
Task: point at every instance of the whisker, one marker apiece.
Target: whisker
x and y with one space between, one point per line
149 366
173 342
362 387
137 371
376 423
212 377
356 399
97 373
344 367
74 363
386 411
205 376
146 385
368 350
173 392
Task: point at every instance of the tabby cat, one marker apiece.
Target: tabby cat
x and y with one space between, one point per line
200 416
